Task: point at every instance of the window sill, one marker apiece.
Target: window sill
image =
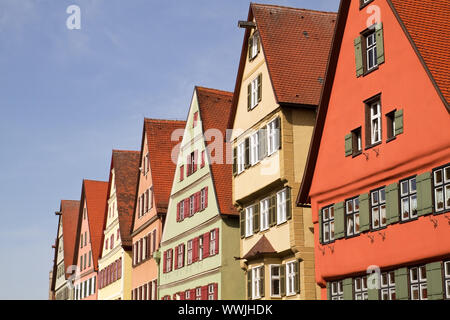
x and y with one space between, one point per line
356 154
353 236
408 220
440 212
391 139
373 145
370 71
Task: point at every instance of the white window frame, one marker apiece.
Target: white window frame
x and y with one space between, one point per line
189 247
211 292
254 47
418 284
281 206
212 243
254 93
375 122
328 224
180 256
360 288
352 213
447 279
191 205
198 293
249 221
378 208
181 210
169 261
337 290
290 278
203 199
254 144
371 50
200 248
241 157
441 189
387 283
408 197
272 137
275 278
256 282
264 214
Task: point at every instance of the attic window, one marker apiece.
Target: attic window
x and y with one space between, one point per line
253 46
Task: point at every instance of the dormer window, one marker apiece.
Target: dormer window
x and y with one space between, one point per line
253 46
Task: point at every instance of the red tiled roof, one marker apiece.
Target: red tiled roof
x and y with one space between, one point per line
263 246
95 193
70 210
161 150
296 45
428 24
126 169
215 112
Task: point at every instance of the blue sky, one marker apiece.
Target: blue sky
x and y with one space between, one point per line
68 97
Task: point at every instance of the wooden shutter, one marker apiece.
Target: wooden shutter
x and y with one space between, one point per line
186 207
195 160
206 197
194 250
234 161
249 96
192 294
147 245
256 218
273 210
348 145
380 42
424 194
175 258
250 45
242 215
262 286
206 245
165 261
183 254
188 165
262 143
320 227
398 121
216 249
435 290
205 292
348 288
392 212
247 152
216 291
249 284
141 242
288 204
339 218
364 212
328 291
259 87
203 159
178 211
359 56
401 284
182 173
297 276
283 280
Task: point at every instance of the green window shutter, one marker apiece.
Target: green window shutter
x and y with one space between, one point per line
247 153
249 284
259 87
283 280
249 97
328 290
262 137
359 56
320 227
380 43
424 194
242 214
339 225
348 288
288 204
348 145
401 284
435 290
364 212
234 161
392 212
256 218
373 294
398 121
273 210
297 276
258 40
262 290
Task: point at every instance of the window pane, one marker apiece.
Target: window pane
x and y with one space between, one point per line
356 204
404 188
383 214
405 208
384 279
332 230
439 198
413 200
447 174
414 275
358 284
438 177
423 291
350 225
415 292
375 217
447 196
412 185
382 195
356 223
375 198
423 273
326 232
326 215
349 206
331 212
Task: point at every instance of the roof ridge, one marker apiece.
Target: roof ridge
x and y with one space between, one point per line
217 91
153 120
289 8
125 151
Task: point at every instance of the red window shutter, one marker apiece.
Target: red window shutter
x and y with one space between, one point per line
178 212
176 258
186 207
216 291
165 262
171 261
120 268
195 202
205 293
182 173
188 165
192 294
182 250
206 245
206 197
194 250
216 249
100 279
203 159
199 201
182 295
195 160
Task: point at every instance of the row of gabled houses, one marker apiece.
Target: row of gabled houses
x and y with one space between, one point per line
324 175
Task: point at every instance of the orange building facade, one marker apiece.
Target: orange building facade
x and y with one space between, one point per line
153 189
378 171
